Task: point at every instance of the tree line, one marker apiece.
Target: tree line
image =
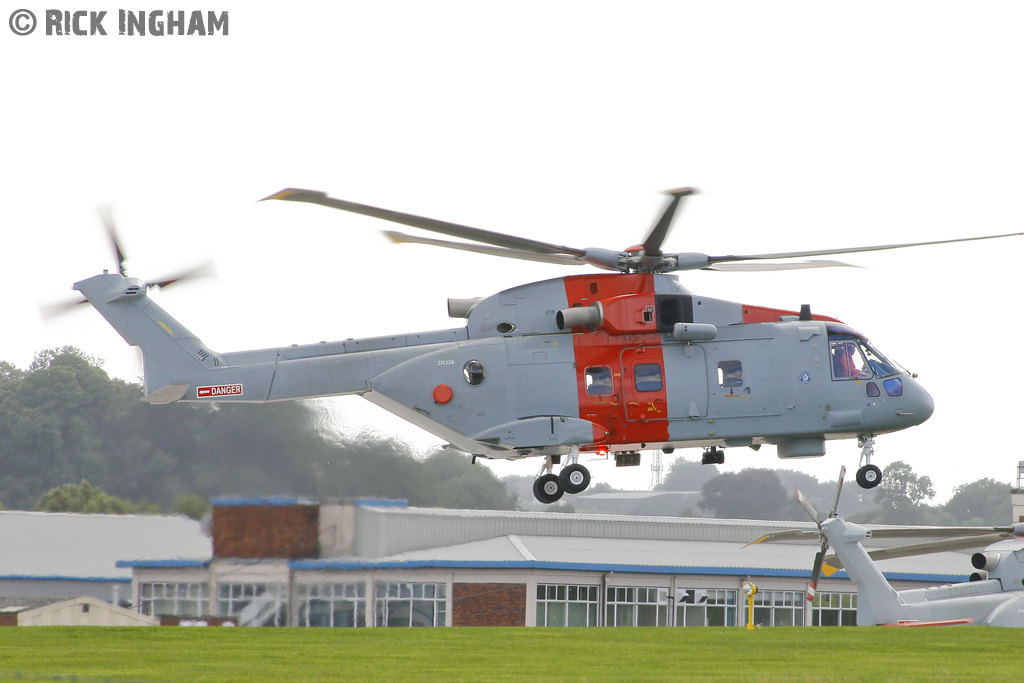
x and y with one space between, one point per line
901 498
64 421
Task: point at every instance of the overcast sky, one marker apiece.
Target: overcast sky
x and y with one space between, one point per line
804 124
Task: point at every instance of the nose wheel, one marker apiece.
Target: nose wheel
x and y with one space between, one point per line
868 475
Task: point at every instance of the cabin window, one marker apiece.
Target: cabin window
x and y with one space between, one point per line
598 381
893 387
730 373
848 361
473 371
647 377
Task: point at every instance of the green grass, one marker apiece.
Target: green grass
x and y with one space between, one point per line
808 655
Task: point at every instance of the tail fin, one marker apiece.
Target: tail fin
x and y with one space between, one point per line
173 357
877 601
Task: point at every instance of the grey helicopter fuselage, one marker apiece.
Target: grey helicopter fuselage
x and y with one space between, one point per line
993 597
606 362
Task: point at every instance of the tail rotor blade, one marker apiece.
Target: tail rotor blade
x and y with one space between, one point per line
808 508
106 214
812 587
839 491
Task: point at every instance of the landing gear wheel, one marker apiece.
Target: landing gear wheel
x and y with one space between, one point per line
869 476
547 489
574 478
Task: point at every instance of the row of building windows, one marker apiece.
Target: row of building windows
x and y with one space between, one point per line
407 604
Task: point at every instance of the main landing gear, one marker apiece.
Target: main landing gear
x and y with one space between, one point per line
868 475
573 478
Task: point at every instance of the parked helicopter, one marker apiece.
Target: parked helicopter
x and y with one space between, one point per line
993 597
606 363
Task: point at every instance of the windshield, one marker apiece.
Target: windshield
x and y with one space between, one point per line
855 358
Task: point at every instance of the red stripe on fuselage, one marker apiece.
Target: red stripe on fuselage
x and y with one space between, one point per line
627 419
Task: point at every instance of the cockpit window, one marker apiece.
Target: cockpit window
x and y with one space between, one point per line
847 360
882 366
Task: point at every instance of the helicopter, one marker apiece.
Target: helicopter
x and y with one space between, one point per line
992 597
605 363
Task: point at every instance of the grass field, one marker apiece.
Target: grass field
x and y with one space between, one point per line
808 655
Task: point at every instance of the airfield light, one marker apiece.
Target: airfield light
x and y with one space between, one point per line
749 590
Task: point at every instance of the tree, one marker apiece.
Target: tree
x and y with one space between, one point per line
980 503
687 475
748 494
901 489
191 506
85 497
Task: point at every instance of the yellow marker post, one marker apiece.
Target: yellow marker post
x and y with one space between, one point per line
750 590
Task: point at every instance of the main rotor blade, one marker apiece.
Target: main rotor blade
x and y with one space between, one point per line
652 245
762 267
850 250
943 531
788 535
561 259
106 214
445 228
922 549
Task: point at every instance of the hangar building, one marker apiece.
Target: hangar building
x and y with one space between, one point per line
367 563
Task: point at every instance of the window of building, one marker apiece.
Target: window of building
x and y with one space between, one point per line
834 609
598 381
255 604
331 604
627 606
410 604
563 605
696 607
779 608
177 599
647 377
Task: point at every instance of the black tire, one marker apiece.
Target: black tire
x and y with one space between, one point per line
547 489
574 478
869 476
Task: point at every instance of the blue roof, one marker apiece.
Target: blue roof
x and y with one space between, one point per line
163 564
94 579
264 501
356 565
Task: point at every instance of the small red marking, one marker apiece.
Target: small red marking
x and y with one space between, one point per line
944 622
219 390
443 393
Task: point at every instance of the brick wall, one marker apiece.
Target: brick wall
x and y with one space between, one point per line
266 531
489 604
8 619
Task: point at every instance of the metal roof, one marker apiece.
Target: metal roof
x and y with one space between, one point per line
642 556
56 545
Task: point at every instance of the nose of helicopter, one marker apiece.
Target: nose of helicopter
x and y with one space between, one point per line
918 405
